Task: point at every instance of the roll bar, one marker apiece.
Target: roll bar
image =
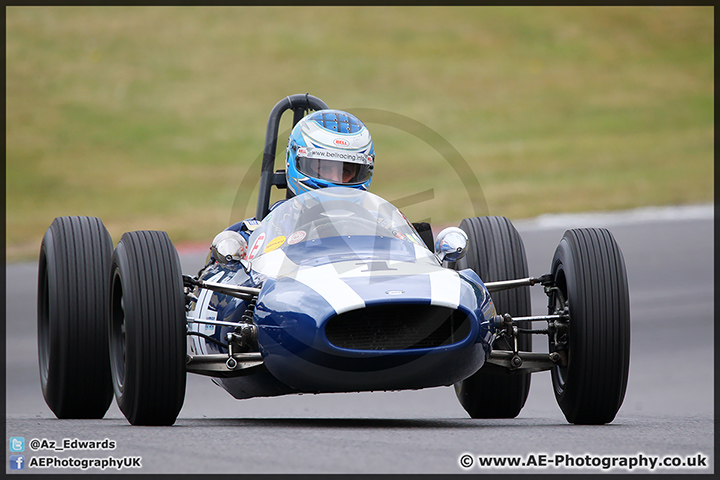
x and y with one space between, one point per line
299 104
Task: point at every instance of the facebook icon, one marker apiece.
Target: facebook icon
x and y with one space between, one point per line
17 462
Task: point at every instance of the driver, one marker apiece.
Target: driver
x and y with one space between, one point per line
329 148
326 148
336 172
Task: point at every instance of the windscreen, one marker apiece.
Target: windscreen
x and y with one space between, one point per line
335 222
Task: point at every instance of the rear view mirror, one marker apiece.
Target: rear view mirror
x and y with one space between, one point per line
451 244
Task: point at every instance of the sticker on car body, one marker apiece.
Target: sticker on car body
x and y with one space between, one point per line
296 237
275 243
256 246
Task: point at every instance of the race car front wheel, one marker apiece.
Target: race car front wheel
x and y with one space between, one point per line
496 252
147 328
591 288
73 276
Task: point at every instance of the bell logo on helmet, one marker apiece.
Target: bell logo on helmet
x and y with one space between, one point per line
341 142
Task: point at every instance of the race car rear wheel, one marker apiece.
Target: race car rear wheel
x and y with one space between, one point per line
73 278
496 252
147 328
591 281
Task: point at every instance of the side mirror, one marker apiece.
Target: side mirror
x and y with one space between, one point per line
451 245
229 246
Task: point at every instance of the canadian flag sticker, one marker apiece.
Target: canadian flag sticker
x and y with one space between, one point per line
256 246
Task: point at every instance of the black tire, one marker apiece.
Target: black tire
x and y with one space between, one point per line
496 252
147 328
589 270
73 279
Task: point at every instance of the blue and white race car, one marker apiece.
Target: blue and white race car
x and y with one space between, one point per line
335 291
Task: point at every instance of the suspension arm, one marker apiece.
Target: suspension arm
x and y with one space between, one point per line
237 291
546 280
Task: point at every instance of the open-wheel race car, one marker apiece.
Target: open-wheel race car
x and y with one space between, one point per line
334 291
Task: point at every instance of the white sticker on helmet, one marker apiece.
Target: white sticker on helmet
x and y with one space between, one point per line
320 154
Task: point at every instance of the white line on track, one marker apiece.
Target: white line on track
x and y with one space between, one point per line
628 217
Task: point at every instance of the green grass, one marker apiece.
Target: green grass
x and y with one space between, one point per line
150 117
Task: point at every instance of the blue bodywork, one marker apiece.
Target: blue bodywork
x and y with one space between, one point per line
351 300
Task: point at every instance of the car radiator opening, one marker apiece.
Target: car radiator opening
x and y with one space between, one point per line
397 327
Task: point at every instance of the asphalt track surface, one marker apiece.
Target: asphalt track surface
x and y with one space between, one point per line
668 409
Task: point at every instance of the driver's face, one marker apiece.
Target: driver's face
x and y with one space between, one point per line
340 172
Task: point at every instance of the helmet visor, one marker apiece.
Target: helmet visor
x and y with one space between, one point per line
347 168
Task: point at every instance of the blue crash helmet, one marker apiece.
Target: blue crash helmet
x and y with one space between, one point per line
329 148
